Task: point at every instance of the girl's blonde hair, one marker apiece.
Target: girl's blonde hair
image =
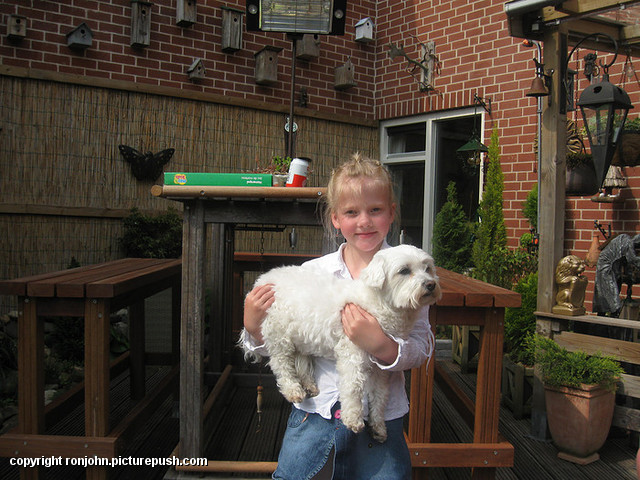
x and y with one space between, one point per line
357 167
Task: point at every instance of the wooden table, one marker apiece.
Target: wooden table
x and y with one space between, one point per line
91 292
465 302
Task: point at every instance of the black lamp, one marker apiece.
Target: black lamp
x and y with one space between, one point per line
474 147
604 108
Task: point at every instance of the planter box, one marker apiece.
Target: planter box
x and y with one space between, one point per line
465 346
517 387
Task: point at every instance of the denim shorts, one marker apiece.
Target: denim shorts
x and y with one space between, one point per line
309 440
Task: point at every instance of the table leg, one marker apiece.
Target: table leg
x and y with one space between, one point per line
137 349
30 375
192 331
487 411
96 371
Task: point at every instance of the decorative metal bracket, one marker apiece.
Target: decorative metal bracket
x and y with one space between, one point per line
427 66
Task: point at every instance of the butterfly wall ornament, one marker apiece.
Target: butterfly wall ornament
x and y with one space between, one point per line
146 166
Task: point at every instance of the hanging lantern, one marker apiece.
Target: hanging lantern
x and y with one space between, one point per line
604 108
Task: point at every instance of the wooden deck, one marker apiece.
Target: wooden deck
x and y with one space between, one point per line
236 436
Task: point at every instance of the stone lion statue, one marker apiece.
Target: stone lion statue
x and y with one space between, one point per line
571 286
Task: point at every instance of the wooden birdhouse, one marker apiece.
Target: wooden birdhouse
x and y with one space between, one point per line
185 13
344 77
308 47
231 29
80 37
267 65
140 23
364 31
16 27
196 71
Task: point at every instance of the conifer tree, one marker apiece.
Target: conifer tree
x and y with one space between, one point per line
491 237
452 235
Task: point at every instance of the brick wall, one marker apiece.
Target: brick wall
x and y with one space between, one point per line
172 50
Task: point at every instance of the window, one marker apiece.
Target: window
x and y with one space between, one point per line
421 154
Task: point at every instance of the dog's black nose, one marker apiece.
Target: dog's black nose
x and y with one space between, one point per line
430 286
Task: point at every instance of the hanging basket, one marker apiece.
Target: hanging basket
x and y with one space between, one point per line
628 152
581 180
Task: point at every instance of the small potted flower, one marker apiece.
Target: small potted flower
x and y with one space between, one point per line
278 167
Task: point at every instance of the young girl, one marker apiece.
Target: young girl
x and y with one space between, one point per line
360 204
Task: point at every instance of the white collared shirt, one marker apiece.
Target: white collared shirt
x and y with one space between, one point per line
412 353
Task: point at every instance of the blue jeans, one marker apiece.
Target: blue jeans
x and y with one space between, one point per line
309 439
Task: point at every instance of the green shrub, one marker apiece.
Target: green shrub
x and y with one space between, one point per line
152 236
452 235
530 207
559 367
520 322
489 247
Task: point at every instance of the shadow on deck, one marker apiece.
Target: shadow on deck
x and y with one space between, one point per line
236 436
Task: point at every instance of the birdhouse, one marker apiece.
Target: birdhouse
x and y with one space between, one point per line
80 37
16 27
185 13
140 23
196 71
344 77
231 29
364 30
308 47
267 65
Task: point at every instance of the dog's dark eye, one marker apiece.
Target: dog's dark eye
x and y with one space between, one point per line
404 271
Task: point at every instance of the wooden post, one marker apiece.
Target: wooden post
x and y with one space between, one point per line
30 375
96 367
192 331
552 201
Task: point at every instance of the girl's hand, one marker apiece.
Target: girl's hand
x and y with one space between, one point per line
256 304
363 329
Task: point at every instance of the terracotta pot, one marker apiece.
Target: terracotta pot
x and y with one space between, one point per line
579 420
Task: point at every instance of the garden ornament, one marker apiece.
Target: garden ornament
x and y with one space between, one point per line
571 285
618 263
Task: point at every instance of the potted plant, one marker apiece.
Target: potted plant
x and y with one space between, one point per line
278 167
579 395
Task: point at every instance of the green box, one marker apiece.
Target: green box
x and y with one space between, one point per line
219 179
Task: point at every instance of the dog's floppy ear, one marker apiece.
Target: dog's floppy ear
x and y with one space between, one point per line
373 275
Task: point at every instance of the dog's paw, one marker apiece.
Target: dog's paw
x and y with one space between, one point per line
353 423
294 394
378 432
312 389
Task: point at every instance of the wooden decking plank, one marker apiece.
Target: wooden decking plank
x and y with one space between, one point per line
235 418
258 444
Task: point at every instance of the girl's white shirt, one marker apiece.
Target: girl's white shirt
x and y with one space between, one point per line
412 353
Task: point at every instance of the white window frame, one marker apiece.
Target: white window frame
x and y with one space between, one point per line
428 157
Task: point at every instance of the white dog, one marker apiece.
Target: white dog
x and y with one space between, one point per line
305 321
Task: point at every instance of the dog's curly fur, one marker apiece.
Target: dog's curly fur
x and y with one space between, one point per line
305 321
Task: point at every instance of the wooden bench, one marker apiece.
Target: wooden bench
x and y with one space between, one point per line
622 350
90 292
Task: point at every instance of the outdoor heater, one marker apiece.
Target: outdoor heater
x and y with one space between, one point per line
296 18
